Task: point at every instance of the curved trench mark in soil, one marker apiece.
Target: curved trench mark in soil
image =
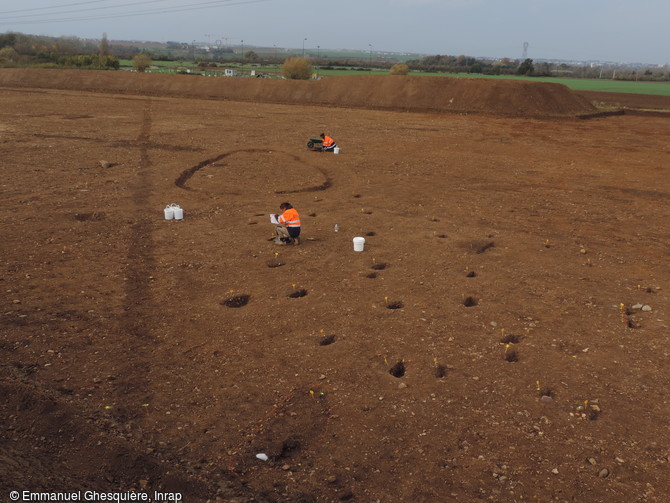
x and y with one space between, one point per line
123 143
325 185
482 247
95 216
440 371
187 174
394 305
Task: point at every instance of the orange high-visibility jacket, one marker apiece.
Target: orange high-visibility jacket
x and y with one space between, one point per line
327 141
290 217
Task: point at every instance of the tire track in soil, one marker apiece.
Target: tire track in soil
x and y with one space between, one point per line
186 175
133 385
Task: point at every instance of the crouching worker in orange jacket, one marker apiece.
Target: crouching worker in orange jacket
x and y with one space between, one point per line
288 225
328 143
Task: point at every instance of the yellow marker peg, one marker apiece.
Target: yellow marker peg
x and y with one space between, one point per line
538 385
506 347
311 392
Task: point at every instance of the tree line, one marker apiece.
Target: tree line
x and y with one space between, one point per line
18 49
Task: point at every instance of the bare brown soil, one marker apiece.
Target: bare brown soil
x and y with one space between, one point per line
628 101
485 346
405 93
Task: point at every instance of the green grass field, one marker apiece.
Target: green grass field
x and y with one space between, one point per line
601 85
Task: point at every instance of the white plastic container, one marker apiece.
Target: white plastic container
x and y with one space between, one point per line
336 150
169 212
178 212
359 244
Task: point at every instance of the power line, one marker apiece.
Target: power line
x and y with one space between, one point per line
198 6
53 6
87 9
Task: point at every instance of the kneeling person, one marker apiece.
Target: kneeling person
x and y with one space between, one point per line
328 143
288 230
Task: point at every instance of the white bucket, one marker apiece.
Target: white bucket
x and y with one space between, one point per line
178 213
359 244
169 212
336 150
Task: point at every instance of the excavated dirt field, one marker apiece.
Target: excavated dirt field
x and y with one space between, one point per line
489 344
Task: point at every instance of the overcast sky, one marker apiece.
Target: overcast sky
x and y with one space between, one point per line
604 30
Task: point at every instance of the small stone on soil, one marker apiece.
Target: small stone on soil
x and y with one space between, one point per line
604 473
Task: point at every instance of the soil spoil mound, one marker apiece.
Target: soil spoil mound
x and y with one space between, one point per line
508 98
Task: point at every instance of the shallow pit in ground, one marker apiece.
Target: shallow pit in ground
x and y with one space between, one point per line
327 340
470 301
297 293
511 356
510 339
236 301
398 370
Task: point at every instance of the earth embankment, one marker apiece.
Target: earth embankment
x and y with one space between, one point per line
408 93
